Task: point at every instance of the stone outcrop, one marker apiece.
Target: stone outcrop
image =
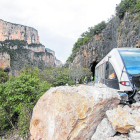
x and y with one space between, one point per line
71 113
117 34
124 119
38 48
11 31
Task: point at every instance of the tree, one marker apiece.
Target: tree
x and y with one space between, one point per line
126 5
18 97
78 73
3 76
56 76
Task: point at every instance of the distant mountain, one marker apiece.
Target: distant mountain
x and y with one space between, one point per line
19 45
57 62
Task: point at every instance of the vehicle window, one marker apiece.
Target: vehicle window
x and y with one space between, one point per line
131 59
107 70
110 72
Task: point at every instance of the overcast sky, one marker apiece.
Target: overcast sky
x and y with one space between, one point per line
59 22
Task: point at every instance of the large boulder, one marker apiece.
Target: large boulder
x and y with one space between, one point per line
71 113
124 119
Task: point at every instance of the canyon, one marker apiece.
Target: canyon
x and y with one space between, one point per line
20 46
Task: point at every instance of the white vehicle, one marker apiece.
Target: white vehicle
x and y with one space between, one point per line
120 69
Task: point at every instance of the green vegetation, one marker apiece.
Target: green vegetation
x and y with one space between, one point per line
19 94
18 97
14 53
60 76
79 74
4 49
11 52
13 43
3 76
56 76
18 43
86 37
127 5
34 45
131 16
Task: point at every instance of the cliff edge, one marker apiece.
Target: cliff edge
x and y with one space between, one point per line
11 31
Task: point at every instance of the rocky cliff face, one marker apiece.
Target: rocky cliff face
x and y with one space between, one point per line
117 34
4 60
15 57
57 62
19 45
38 48
50 51
10 31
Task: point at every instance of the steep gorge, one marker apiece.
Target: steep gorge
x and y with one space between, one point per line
19 45
117 34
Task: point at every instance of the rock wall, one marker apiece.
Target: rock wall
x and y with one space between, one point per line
117 34
4 60
11 31
50 51
39 48
58 62
26 56
15 55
